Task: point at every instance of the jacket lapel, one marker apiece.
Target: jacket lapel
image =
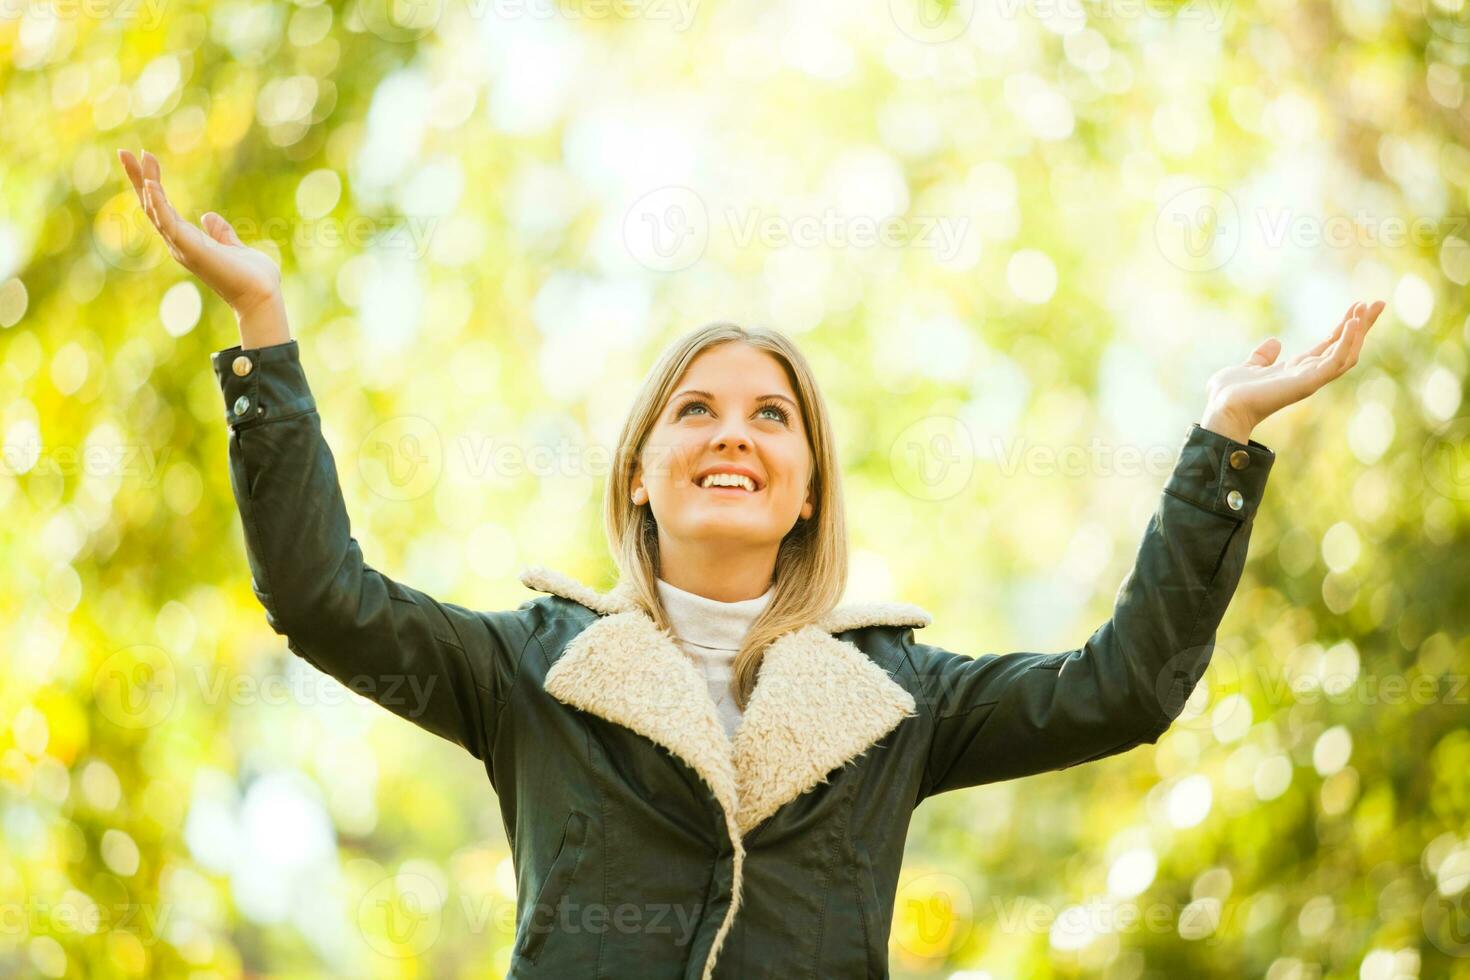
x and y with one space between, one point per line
819 705
624 670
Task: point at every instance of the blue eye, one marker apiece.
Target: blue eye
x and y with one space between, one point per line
785 416
782 414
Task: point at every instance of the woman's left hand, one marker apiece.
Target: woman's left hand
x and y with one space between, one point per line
1243 395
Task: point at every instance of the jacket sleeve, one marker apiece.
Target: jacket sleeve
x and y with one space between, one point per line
1004 716
441 666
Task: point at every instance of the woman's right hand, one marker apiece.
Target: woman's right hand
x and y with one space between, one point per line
247 279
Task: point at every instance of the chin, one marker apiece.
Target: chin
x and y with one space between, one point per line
734 532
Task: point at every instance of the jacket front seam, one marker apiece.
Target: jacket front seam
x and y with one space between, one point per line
863 912
846 837
602 836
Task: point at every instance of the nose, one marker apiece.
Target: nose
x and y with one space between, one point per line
737 441
732 435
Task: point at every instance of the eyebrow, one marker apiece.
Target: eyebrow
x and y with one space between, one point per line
705 394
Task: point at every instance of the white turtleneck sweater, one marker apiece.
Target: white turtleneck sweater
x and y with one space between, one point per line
710 633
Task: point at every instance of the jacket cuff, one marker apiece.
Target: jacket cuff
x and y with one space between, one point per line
1219 474
261 384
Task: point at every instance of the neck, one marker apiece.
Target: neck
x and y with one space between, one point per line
723 574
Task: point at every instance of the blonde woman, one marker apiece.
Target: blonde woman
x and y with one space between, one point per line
709 770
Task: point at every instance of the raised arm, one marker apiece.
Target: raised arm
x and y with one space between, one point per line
1003 716
437 664
444 667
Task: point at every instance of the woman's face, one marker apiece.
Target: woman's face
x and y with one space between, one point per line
732 411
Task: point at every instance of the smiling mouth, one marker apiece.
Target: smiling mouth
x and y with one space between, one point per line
733 482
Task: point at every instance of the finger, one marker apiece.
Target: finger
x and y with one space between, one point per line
220 230
1355 344
156 210
1335 335
1320 347
134 170
151 170
1323 345
1265 353
1367 316
165 231
188 240
166 211
150 208
1344 354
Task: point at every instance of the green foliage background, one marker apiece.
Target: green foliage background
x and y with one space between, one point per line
471 202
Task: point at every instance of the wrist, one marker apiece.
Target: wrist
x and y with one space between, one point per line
263 322
1228 422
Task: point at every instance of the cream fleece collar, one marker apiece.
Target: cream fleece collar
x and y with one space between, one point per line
847 616
821 703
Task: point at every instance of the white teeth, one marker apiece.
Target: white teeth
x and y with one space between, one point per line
728 480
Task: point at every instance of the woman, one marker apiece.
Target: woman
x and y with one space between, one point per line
657 832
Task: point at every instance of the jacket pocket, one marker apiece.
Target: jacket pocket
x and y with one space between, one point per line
874 935
541 919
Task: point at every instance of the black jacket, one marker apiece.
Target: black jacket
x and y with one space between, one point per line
646 843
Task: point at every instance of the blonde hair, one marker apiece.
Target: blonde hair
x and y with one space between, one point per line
811 561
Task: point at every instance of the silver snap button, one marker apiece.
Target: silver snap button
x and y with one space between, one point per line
1240 459
242 365
241 404
1235 500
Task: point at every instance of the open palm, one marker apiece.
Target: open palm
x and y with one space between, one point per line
242 276
1263 385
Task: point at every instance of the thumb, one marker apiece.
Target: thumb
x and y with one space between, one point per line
219 229
1266 353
